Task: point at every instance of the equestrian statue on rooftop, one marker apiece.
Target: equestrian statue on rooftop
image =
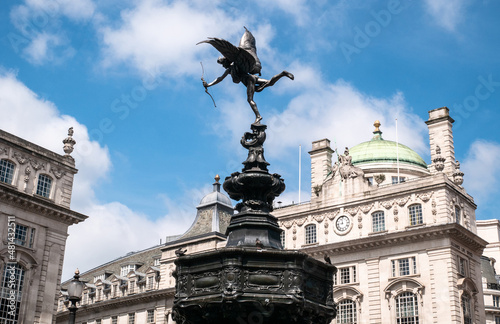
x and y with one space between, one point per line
244 66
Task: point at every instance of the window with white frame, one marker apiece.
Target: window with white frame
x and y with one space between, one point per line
395 180
126 269
7 171
347 312
131 318
407 308
458 215
463 266
378 221
310 233
151 316
150 282
345 275
131 287
415 213
11 294
282 238
44 185
99 277
85 298
496 301
116 288
404 267
24 236
466 309
156 262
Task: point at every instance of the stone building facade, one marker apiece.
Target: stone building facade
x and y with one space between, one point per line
140 287
402 233
35 196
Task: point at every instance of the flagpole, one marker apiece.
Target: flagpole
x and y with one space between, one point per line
300 166
397 150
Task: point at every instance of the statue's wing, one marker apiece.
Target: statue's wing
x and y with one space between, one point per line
241 57
227 49
247 43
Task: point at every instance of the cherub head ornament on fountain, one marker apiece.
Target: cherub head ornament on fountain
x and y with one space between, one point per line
244 66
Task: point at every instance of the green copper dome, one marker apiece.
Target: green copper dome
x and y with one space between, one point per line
379 150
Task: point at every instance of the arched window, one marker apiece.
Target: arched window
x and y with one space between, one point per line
458 215
44 185
282 238
6 171
11 289
466 308
347 312
378 221
406 308
415 212
310 234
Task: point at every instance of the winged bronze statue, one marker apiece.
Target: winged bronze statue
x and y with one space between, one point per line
244 66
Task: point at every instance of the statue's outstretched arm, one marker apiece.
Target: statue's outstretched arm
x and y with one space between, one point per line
219 79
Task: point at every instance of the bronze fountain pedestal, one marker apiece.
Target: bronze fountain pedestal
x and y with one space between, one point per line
252 279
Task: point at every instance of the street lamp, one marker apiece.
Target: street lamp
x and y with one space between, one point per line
75 289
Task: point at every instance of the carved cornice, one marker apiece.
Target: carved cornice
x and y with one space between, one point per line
451 230
134 299
39 206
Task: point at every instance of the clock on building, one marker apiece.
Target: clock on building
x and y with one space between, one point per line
343 223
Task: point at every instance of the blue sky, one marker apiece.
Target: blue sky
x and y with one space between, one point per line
126 76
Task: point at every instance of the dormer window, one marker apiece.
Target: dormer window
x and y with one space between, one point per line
6 171
126 269
44 185
99 277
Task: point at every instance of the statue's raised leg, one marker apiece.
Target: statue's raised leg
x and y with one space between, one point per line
269 83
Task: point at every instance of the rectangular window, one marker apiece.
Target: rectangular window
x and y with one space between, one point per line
282 238
415 212
496 301
131 318
115 290
404 267
151 282
463 268
346 275
44 185
11 293
98 321
497 319
395 180
6 171
378 221
126 269
151 316
85 298
20 235
101 277
114 320
131 288
311 234
156 262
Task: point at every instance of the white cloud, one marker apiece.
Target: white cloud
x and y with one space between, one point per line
111 225
482 171
318 109
155 35
446 13
40 36
298 9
